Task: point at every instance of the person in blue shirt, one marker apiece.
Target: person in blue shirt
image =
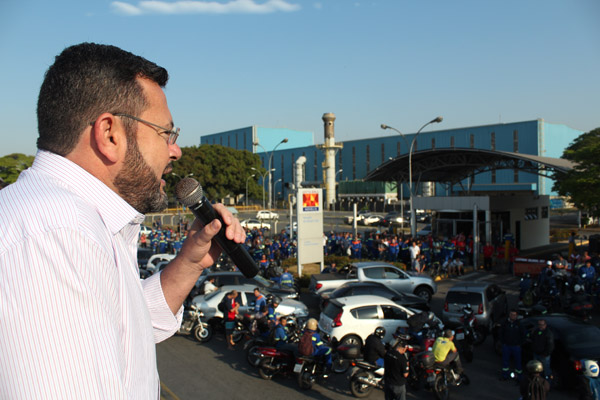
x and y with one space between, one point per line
272 315
589 272
162 244
287 279
280 336
319 348
177 244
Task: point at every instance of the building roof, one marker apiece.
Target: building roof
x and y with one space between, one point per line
452 165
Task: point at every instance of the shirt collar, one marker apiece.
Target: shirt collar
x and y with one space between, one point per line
114 210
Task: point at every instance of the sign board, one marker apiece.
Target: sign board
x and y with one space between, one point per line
527 265
309 209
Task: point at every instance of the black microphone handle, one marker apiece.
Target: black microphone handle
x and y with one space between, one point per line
205 212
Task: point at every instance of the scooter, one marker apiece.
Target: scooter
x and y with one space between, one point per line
192 325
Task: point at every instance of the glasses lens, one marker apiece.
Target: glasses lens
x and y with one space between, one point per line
173 136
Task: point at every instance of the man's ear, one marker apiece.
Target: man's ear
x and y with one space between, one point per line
109 137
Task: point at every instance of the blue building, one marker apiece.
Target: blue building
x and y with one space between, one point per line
359 157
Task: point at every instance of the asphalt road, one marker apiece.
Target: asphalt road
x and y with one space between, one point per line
190 370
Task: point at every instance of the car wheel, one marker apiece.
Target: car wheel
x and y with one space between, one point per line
351 340
424 292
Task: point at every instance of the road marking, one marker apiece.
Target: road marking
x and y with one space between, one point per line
169 394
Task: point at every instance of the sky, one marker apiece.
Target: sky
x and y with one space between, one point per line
284 63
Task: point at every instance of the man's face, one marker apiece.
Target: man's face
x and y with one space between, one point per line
513 316
542 325
148 156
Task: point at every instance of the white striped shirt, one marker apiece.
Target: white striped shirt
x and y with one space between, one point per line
76 322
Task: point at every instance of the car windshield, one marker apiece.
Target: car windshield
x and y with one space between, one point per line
262 281
472 298
339 292
582 337
212 294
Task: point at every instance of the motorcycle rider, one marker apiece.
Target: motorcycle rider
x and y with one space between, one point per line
374 348
590 383
209 285
396 371
280 336
319 348
260 310
272 315
534 387
445 351
511 335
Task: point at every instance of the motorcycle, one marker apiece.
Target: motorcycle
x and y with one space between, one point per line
365 377
467 335
294 326
309 369
192 325
272 361
424 371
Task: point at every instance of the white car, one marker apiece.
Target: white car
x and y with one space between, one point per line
371 219
254 223
266 214
288 231
152 264
208 304
350 320
359 216
145 230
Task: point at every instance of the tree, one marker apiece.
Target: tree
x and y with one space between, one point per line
582 183
12 165
222 171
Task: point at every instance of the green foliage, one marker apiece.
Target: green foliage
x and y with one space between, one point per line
12 165
582 184
222 171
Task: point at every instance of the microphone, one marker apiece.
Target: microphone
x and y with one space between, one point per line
189 193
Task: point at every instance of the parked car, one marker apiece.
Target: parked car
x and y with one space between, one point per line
371 219
574 340
154 260
225 278
359 216
288 231
393 218
254 223
375 289
487 300
426 230
376 271
266 214
208 304
145 230
349 320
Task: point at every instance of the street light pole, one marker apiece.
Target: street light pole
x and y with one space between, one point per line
270 155
413 228
263 183
248 178
274 191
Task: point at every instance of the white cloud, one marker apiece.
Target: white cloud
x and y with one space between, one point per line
203 7
318 6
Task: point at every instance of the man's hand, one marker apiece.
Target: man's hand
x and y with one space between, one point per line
199 249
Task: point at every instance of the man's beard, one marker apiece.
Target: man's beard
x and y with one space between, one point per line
137 184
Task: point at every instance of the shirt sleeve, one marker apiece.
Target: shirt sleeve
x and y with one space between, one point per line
164 323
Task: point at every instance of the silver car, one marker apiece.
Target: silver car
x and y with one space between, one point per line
208 303
487 300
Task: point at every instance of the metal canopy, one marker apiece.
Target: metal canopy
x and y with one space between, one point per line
448 165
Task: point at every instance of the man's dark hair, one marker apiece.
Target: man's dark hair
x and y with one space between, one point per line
85 81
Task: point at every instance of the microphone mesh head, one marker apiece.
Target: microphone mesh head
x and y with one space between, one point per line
188 192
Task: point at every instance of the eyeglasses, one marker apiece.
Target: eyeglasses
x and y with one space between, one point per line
173 133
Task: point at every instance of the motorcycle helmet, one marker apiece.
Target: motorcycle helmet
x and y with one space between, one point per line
577 288
269 298
468 309
535 367
379 332
311 324
590 368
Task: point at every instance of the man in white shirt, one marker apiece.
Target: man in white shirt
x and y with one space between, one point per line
70 226
415 250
